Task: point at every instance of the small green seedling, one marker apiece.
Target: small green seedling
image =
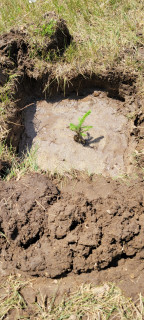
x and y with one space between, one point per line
80 129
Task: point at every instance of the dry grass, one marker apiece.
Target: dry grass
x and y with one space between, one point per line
18 167
105 302
10 297
107 33
88 302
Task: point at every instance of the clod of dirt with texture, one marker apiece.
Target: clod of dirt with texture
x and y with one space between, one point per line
60 38
89 227
15 45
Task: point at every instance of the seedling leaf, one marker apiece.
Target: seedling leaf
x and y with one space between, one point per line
79 129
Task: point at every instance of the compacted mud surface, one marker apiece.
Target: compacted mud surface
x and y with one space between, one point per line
108 146
92 228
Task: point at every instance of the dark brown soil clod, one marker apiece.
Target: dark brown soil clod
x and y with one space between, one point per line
95 227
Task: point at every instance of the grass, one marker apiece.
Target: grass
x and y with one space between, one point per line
6 154
26 165
10 298
107 33
88 302
104 303
18 167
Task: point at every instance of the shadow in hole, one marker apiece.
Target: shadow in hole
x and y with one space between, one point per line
30 129
90 140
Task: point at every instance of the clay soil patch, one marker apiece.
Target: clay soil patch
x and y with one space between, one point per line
90 231
108 149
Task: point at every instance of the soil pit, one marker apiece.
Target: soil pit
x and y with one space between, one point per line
108 148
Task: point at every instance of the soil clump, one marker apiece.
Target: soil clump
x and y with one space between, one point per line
90 227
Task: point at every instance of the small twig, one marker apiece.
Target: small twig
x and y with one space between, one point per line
28 105
16 124
4 236
39 204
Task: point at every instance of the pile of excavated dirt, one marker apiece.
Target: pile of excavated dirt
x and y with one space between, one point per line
92 228
108 145
15 46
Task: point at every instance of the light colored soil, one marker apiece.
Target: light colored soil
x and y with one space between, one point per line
107 144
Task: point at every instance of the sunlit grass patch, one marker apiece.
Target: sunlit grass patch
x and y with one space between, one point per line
105 302
106 33
18 166
88 302
6 153
23 165
10 297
